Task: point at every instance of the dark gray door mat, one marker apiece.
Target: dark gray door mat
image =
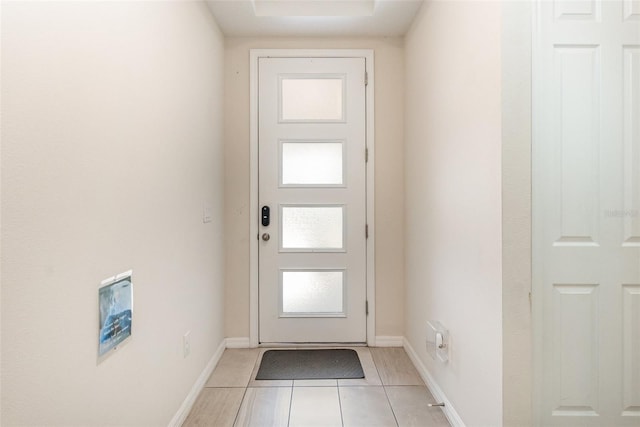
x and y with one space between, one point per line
310 365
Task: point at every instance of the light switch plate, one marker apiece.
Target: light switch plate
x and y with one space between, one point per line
186 344
207 214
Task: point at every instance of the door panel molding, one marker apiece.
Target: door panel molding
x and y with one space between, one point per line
368 56
631 350
584 214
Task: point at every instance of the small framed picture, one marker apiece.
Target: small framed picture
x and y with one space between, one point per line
115 302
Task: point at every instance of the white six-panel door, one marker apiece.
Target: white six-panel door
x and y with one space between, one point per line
312 179
586 173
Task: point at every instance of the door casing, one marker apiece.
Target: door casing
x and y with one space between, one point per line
367 54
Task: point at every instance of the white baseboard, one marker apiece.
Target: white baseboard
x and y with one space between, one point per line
389 341
436 391
186 406
238 342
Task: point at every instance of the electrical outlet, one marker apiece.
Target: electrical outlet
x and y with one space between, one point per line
186 344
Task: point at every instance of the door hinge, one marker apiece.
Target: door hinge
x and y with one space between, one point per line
366 155
366 231
366 78
366 307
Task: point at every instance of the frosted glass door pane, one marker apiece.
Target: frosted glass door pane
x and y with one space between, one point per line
312 99
312 163
312 292
312 227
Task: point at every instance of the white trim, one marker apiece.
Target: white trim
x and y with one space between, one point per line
188 402
238 342
371 241
389 341
253 197
434 388
254 54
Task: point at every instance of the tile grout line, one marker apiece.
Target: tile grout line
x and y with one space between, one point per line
340 404
244 395
376 366
384 388
290 405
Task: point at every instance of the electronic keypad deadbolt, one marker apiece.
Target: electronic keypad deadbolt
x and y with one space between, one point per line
266 216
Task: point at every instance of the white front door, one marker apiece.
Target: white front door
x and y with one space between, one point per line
586 234
312 198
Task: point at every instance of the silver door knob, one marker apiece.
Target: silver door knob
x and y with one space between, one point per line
266 237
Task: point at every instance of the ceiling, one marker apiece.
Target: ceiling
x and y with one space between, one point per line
326 18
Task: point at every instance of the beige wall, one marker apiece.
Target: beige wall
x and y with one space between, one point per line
111 145
389 92
516 213
453 242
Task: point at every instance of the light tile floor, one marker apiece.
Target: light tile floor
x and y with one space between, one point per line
391 394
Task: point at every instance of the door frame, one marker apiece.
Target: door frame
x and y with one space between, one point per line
254 55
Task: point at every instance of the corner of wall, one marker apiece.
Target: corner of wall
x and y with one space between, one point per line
516 203
439 395
184 409
238 342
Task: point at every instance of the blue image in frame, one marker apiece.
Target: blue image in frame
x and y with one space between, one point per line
116 304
